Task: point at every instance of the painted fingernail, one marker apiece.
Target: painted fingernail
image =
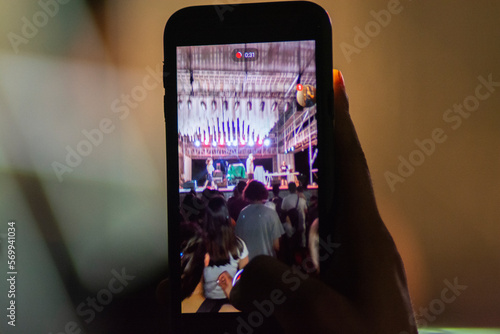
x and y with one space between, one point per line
340 78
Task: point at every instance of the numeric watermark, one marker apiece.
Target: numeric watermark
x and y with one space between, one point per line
11 273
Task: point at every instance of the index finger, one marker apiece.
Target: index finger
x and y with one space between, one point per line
353 186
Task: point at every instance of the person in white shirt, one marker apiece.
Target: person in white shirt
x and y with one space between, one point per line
250 166
258 225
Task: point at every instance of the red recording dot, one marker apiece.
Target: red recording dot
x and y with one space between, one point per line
238 55
299 87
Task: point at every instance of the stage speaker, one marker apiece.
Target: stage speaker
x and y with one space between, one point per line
190 185
235 181
221 183
275 180
303 179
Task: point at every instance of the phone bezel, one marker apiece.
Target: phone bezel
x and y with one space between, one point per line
232 24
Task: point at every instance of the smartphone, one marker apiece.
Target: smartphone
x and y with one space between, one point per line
248 95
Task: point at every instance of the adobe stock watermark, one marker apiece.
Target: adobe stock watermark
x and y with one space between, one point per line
94 137
363 37
31 26
222 9
226 6
454 117
437 306
293 279
88 308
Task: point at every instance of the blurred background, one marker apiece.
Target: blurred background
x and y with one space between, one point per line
82 154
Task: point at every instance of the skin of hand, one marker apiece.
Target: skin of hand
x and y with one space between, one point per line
363 288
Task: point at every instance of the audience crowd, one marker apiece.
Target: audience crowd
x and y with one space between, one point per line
219 236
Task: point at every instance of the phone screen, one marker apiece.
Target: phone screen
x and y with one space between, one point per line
245 111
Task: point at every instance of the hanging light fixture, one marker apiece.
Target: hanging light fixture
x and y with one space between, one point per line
287 105
211 118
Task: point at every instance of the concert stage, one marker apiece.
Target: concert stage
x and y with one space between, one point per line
228 191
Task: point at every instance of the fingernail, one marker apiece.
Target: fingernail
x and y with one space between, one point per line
340 78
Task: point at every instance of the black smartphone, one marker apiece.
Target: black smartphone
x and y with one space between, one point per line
248 95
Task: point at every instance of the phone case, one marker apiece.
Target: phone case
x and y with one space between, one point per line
247 86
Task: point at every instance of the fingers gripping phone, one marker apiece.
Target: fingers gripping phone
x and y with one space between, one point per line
248 95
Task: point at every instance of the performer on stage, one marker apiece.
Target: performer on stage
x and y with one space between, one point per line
250 167
210 170
284 169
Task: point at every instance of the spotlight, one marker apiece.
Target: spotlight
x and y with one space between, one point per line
267 142
249 105
214 105
262 105
225 105
214 143
190 104
275 106
180 104
251 142
197 143
236 105
203 105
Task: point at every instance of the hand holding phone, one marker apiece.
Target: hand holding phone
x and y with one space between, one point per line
223 66
363 289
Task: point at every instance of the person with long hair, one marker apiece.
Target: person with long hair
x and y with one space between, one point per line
226 251
193 254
